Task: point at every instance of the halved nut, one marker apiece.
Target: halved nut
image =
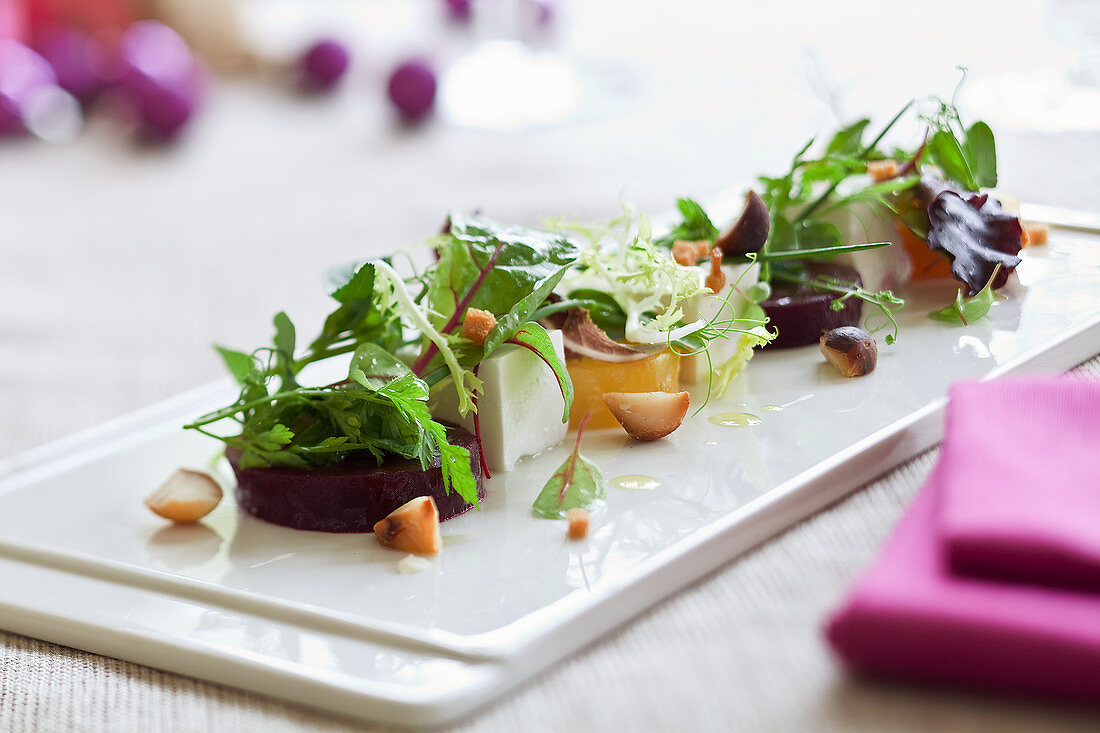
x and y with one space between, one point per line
648 415
186 497
412 527
851 350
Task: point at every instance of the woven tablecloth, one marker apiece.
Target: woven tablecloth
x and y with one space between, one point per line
119 266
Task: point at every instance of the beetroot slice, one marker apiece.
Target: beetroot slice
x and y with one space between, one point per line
350 496
801 314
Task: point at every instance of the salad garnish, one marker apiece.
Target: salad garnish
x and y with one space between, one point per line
577 484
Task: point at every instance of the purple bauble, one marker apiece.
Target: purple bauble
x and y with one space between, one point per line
544 12
412 89
161 80
458 11
23 74
323 64
77 60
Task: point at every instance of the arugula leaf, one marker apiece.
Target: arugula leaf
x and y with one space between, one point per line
534 338
966 310
577 484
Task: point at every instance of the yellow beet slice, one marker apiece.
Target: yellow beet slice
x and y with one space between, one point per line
592 378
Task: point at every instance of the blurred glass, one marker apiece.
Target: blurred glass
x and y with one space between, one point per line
519 74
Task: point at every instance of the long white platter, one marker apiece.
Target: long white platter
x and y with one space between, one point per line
327 621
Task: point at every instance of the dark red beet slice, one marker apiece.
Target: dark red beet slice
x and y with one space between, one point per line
351 495
801 314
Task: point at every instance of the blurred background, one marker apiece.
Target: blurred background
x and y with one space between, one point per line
178 170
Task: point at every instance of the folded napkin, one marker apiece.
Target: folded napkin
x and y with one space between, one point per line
983 510
909 617
1020 475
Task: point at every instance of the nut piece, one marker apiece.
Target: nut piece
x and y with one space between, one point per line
749 232
648 415
1035 234
883 170
851 350
688 253
187 496
578 523
412 527
477 324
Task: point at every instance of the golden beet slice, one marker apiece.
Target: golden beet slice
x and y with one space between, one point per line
648 415
592 378
412 527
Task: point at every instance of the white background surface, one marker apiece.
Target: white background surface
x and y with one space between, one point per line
118 267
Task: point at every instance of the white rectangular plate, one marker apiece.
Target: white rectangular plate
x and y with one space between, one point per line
327 621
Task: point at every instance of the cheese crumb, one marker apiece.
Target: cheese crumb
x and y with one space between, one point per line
477 324
883 170
578 523
1035 234
413 564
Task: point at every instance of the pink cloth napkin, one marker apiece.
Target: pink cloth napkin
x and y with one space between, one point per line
994 504
1020 475
909 617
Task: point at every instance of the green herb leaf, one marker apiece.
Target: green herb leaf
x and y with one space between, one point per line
374 367
521 313
242 366
695 225
849 140
982 154
968 310
945 151
284 350
493 267
534 338
577 484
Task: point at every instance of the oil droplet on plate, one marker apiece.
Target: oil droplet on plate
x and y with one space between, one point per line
735 419
635 482
772 408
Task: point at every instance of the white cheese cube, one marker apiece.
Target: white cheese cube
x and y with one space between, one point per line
520 410
716 307
861 222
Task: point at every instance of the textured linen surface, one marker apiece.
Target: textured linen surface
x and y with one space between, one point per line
119 266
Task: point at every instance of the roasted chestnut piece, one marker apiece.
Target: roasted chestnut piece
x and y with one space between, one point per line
851 350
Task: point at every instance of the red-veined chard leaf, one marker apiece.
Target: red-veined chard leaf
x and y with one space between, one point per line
577 484
534 338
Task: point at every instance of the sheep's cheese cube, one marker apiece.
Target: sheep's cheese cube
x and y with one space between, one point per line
520 409
880 268
721 306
